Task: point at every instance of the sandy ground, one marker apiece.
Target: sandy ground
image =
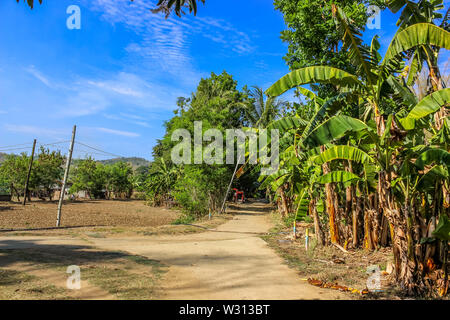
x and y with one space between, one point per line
229 262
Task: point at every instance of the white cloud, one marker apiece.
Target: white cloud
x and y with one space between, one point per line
92 96
165 44
38 75
119 133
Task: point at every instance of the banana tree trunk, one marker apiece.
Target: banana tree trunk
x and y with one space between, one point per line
284 205
331 205
317 228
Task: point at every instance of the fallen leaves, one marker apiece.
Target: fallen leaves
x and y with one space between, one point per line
335 286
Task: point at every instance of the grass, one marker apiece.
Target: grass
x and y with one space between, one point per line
122 275
16 285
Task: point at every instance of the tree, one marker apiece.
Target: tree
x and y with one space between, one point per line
13 172
169 6
261 112
160 182
119 179
30 2
47 173
312 36
89 176
218 104
377 153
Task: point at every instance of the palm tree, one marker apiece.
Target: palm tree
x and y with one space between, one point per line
167 6
30 2
262 111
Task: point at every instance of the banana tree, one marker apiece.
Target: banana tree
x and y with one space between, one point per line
375 86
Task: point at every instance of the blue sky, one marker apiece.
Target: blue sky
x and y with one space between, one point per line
118 77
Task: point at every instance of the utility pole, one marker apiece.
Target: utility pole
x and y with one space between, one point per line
229 186
66 175
29 174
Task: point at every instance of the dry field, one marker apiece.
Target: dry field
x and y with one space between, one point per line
99 213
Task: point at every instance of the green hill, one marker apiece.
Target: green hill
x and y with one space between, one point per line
134 161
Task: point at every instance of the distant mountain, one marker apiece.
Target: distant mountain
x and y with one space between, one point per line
134 161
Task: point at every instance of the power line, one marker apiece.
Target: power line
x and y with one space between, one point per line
53 143
15 149
105 152
17 145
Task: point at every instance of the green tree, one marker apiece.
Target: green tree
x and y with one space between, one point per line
119 179
89 176
47 172
13 172
312 35
262 111
218 104
377 152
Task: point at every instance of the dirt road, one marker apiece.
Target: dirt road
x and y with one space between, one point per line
229 262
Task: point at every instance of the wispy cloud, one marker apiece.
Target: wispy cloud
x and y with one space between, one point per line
119 132
166 43
92 96
38 75
36 131
129 118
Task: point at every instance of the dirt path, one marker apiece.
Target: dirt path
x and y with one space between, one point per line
229 262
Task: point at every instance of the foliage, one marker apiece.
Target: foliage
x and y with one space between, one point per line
102 181
198 188
13 172
377 155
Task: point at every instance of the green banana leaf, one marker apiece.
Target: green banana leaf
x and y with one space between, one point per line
338 176
315 74
344 153
416 35
333 129
442 231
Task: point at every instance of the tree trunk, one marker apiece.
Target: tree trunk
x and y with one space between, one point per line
355 217
284 206
317 228
331 206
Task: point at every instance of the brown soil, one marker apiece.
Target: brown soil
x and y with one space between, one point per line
228 262
41 214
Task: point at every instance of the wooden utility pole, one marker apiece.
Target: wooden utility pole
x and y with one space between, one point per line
229 186
29 173
66 175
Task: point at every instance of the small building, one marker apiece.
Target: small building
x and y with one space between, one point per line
5 197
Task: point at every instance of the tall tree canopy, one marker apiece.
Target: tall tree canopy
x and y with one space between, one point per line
312 34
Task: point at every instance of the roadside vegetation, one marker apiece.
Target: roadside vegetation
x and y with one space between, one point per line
364 154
